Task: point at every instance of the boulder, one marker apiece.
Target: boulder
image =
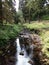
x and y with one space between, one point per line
30 61
22 53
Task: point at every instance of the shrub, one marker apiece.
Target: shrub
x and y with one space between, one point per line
8 32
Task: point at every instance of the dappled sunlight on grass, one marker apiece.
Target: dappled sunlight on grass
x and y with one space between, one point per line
37 25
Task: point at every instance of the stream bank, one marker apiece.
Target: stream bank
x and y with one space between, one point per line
33 46
31 43
8 34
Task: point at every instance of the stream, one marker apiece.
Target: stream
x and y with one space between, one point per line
21 59
24 51
25 54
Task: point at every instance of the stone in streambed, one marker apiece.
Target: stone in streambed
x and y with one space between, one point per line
30 61
21 53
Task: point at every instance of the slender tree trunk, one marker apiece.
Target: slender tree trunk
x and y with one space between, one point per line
1 17
29 15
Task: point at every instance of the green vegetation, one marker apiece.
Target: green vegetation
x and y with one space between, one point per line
44 34
45 17
11 20
35 10
8 32
45 40
37 25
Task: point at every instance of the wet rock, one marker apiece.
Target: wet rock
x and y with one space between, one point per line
35 39
33 46
30 61
36 47
22 53
36 31
24 43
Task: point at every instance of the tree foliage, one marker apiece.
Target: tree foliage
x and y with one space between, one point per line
7 10
34 9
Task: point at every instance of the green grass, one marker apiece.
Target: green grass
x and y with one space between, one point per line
37 25
44 34
45 40
8 32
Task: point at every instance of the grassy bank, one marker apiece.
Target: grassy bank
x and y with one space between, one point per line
44 34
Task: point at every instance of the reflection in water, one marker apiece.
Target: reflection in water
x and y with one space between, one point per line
21 59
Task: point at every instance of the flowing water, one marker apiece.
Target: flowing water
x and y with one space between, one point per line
21 59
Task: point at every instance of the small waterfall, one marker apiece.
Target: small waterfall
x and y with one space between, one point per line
18 46
21 59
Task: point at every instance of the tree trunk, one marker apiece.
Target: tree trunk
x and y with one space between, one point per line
1 17
29 16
